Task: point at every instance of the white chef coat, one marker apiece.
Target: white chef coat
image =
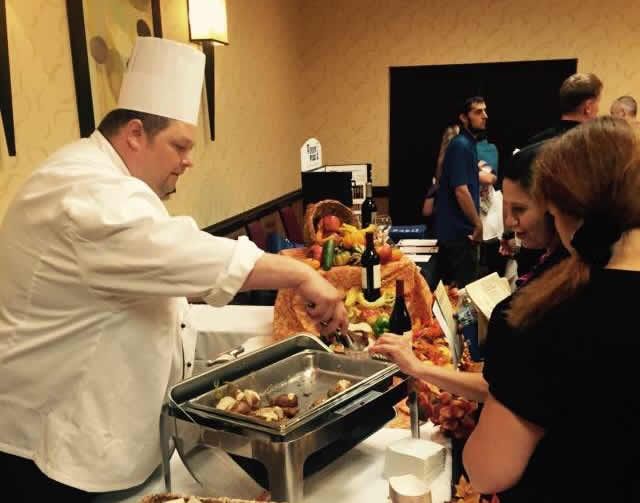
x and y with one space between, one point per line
93 275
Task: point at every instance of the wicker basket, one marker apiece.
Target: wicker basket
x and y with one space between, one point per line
321 209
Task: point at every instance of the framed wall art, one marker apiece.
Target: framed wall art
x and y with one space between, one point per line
102 36
6 102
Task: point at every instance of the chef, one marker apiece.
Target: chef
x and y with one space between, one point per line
93 279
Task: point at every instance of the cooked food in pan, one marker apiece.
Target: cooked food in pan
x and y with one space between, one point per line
340 386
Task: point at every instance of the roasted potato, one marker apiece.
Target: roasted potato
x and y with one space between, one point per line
226 403
286 400
290 411
269 413
252 398
240 407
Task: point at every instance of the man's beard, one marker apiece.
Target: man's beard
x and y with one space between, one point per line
476 132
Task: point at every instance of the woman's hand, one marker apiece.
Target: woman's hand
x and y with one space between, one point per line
398 348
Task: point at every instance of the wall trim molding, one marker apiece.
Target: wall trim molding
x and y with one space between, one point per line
232 224
236 222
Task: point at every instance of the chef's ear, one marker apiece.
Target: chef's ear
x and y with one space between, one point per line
134 131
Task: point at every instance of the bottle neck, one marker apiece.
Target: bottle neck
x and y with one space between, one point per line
369 237
369 190
399 289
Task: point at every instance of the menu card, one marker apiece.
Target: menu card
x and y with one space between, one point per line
485 294
442 298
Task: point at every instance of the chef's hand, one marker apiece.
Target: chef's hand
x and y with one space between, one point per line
324 303
398 349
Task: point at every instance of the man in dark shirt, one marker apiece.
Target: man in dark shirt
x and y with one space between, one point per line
458 225
579 99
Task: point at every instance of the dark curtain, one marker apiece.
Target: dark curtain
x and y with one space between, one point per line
521 100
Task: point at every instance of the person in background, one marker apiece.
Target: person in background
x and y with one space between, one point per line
579 101
626 107
458 224
570 356
429 206
93 315
491 212
535 228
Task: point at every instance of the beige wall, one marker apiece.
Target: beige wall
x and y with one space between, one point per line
350 45
255 157
302 68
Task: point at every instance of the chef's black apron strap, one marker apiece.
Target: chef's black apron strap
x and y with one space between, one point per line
26 483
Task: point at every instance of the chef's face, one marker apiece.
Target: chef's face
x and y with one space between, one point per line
166 156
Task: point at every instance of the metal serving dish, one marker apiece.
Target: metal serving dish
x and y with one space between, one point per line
310 374
287 450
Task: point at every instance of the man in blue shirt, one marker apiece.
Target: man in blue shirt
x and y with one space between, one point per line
458 224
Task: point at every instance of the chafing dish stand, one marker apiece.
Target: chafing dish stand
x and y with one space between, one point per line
328 430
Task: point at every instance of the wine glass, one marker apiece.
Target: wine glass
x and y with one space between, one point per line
383 226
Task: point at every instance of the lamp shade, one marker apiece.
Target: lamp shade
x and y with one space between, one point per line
208 20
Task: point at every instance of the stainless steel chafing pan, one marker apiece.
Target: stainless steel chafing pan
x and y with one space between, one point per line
310 374
301 364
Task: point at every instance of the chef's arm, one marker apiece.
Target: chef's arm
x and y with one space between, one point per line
323 299
276 271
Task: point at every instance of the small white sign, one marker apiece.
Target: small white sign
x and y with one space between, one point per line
452 337
310 155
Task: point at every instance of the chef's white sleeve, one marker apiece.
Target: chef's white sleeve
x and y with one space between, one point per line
136 250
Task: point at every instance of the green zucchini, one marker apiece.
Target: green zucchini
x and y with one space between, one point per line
328 251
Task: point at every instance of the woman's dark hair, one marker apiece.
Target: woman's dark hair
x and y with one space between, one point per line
520 169
116 119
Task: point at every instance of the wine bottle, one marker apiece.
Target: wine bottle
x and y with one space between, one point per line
400 321
369 208
370 262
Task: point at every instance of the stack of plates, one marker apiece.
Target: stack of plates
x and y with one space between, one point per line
418 250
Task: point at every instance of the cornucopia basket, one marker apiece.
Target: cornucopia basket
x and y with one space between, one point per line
314 214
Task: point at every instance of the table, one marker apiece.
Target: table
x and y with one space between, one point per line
354 477
220 329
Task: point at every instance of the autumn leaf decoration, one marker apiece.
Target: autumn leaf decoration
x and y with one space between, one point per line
465 493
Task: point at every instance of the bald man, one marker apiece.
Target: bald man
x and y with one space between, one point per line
625 107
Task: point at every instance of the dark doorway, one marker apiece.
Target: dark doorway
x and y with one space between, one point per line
521 100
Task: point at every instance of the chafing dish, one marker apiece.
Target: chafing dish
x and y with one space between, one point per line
301 364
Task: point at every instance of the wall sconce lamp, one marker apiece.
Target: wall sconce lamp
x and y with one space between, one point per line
208 24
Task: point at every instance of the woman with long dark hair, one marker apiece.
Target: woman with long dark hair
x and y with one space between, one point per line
534 227
560 421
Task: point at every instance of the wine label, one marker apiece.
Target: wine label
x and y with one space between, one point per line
375 281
